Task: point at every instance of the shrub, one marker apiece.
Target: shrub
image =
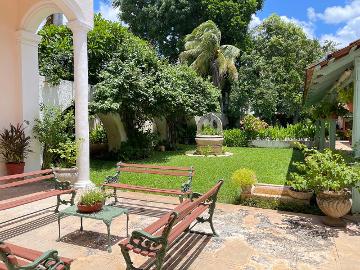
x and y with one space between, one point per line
324 171
66 153
139 146
253 126
243 178
297 131
235 138
209 130
53 128
98 135
14 144
91 197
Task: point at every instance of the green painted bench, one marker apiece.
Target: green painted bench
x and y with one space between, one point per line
12 181
155 240
14 257
185 190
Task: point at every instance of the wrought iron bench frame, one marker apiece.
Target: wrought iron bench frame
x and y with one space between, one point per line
155 240
115 180
20 258
17 180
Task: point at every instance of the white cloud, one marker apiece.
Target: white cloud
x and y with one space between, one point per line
311 14
255 21
346 34
108 11
340 14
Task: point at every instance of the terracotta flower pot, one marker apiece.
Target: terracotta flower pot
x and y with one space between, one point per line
335 205
15 168
301 195
90 208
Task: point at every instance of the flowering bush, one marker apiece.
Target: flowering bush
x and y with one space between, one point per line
253 126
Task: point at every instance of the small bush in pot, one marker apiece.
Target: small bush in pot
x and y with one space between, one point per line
14 148
331 179
245 179
91 201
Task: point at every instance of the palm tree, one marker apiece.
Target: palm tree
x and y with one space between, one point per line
204 53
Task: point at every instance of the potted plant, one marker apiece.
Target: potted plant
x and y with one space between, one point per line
331 179
91 201
66 154
98 141
299 188
245 179
346 95
14 148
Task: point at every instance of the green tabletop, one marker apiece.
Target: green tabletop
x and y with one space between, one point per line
107 213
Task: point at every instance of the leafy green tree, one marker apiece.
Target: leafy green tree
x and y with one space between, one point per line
207 57
106 39
272 71
166 22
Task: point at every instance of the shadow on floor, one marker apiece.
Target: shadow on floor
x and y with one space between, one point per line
183 253
14 192
89 239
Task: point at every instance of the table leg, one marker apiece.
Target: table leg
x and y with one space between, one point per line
81 224
127 224
108 232
59 226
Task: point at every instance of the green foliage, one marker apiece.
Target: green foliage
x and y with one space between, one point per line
66 153
165 23
235 138
346 95
98 135
303 130
93 196
106 40
253 126
324 171
52 129
209 130
272 69
243 178
14 144
139 146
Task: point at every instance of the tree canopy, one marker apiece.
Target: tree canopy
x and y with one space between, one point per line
272 70
166 22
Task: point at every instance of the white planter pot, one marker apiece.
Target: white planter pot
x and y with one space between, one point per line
66 174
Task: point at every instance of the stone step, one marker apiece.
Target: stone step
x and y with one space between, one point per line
281 198
270 189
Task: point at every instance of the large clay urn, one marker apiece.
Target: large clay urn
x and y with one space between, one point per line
335 205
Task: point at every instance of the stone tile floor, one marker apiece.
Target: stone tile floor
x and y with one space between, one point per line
250 238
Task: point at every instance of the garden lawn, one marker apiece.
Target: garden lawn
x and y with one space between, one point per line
271 166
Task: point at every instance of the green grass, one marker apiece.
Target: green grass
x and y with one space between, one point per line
271 166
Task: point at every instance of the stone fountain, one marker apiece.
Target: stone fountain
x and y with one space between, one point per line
209 144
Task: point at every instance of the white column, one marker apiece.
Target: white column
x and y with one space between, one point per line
356 113
29 89
81 84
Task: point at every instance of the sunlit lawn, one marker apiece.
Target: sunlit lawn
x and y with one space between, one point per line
271 166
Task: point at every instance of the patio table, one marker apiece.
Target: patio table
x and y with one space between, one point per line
107 214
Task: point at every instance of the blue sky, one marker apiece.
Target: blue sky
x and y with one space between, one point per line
322 19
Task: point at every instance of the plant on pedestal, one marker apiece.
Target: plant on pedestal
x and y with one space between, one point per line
14 148
328 175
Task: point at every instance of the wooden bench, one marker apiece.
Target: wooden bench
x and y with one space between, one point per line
155 240
17 180
18 258
185 190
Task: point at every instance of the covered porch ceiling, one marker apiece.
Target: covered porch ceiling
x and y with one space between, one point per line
334 71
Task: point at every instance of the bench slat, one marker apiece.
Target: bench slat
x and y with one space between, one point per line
148 189
30 254
27 181
37 197
158 172
149 166
17 176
